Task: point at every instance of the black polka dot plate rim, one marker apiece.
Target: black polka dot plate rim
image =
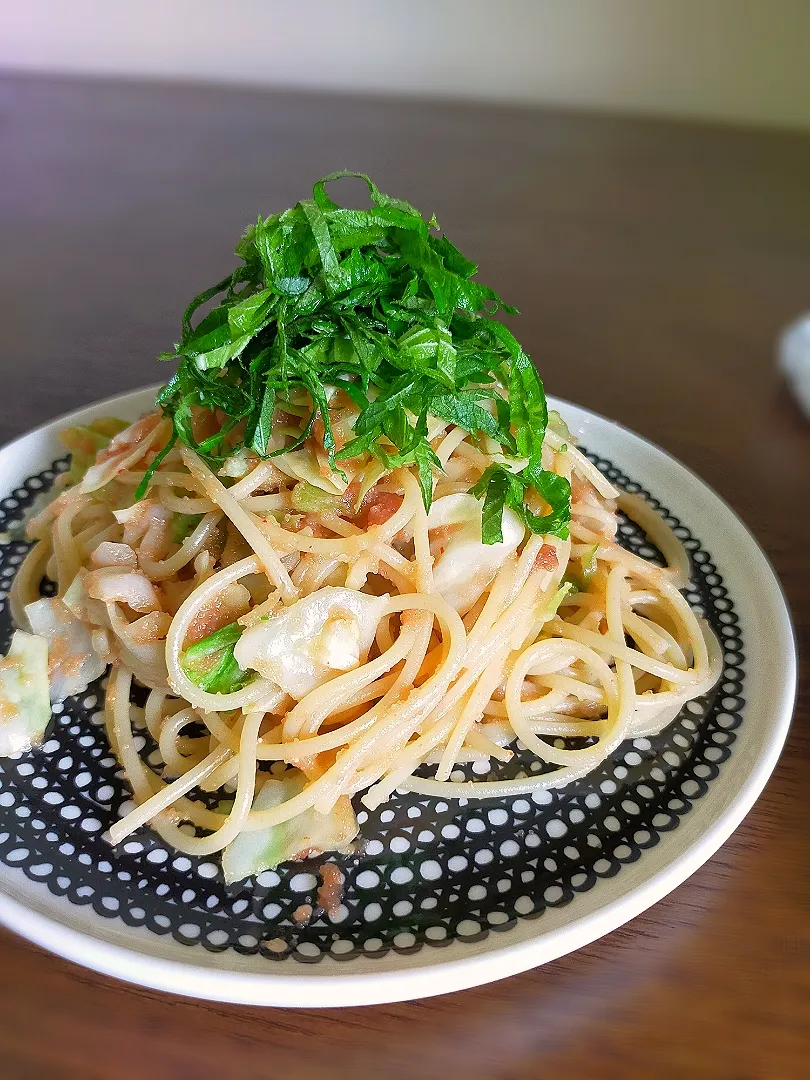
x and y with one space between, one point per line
441 898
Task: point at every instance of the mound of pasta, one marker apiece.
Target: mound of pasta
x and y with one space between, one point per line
348 552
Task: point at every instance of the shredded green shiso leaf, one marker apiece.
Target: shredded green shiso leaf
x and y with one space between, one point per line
375 303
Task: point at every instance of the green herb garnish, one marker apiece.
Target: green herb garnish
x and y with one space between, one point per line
374 303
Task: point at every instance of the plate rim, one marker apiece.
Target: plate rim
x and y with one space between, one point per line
431 975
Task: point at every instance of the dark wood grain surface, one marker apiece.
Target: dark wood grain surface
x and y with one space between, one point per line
655 265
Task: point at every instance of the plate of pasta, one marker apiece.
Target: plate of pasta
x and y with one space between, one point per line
345 666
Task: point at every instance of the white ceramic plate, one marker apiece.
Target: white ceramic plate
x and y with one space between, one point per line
444 897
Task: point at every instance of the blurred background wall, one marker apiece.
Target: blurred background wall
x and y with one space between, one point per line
744 61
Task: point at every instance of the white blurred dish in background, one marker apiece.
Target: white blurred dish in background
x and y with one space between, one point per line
794 360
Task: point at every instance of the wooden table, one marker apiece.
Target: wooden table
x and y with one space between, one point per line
655 264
